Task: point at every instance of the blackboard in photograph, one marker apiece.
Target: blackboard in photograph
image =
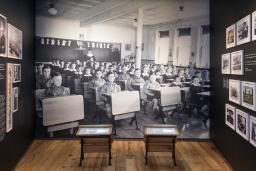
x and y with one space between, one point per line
253 130
230 116
248 95
242 124
235 91
3 36
231 36
14 42
225 63
243 30
237 63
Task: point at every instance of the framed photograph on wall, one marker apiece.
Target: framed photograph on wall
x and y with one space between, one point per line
15 99
235 91
230 114
128 47
9 97
242 124
237 62
243 28
231 36
254 25
17 73
253 130
248 95
225 63
3 36
14 42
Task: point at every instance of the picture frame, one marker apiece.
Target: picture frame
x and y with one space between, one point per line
231 36
248 95
243 30
242 124
254 25
225 63
253 130
15 99
237 62
17 73
230 116
235 91
3 36
128 47
14 42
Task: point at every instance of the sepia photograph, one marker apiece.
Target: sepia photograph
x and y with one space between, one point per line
237 62
242 124
254 25
248 95
3 36
235 91
14 42
231 36
253 130
225 63
17 73
15 99
243 28
230 116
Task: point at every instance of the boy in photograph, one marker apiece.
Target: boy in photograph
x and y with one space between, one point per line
97 81
136 79
177 81
43 81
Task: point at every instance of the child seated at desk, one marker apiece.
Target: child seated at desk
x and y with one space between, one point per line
98 81
177 81
136 79
87 75
194 89
168 75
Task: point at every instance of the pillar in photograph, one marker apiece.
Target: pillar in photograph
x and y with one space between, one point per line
139 37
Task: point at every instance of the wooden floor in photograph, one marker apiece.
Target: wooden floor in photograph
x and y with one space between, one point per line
127 156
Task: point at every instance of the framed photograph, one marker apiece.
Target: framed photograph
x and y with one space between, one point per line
242 124
128 47
235 91
237 62
15 99
3 36
243 28
248 95
17 73
230 114
231 36
253 130
225 63
9 97
254 25
14 42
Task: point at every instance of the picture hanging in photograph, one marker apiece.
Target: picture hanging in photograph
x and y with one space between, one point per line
242 124
243 30
230 116
9 97
253 130
231 36
14 42
225 63
3 36
248 95
235 91
237 62
15 99
254 25
17 73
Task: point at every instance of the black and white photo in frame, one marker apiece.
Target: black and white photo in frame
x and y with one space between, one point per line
231 36
225 63
254 25
242 124
253 130
243 28
9 97
248 95
17 73
230 114
235 91
15 99
3 36
237 62
14 42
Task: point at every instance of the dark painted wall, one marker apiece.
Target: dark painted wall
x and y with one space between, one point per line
20 13
238 152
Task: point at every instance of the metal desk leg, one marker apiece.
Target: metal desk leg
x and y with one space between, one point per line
109 152
146 150
82 152
173 152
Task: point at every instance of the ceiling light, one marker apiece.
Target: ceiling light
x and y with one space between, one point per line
52 10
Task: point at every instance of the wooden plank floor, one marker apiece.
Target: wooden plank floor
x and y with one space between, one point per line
127 156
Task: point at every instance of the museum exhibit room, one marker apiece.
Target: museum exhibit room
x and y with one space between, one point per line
127 85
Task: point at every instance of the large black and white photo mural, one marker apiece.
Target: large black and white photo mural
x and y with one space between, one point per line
123 71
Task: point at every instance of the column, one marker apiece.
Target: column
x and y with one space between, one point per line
139 37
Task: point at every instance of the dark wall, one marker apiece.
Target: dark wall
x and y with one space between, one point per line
238 152
21 15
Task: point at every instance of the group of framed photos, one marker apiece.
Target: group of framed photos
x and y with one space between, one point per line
233 63
242 31
241 122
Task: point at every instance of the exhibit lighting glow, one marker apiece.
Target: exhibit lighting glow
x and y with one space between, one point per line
52 10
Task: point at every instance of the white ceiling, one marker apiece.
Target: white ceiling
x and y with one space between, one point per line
124 11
